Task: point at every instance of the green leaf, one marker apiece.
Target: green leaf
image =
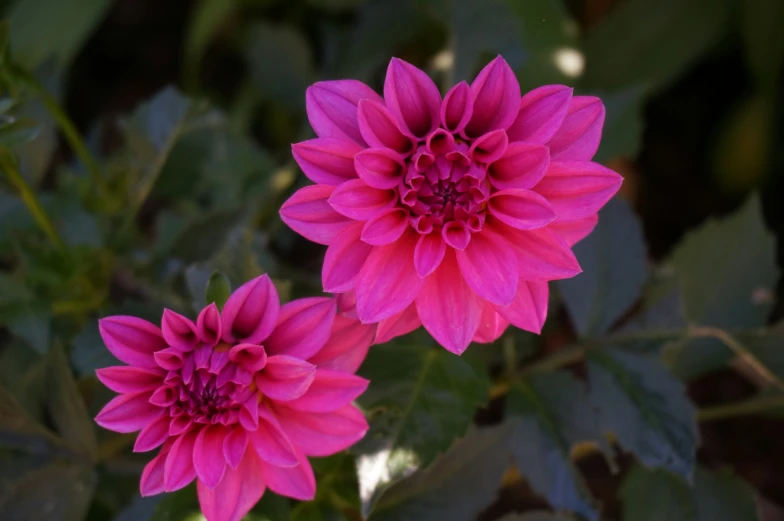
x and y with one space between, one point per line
218 289
536 516
551 413
19 430
646 408
271 507
420 401
652 495
205 21
622 132
660 40
315 512
726 270
205 235
177 506
613 263
32 323
457 486
88 351
66 406
41 29
763 39
17 133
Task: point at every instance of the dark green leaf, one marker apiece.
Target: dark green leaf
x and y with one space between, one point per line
457 486
196 278
177 506
19 430
205 235
689 358
622 132
613 263
721 496
206 20
536 516
646 408
89 352
141 509
218 289
420 401
726 270
271 507
18 133
314 511
66 406
764 39
32 323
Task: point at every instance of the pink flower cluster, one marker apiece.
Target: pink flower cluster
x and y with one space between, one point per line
452 213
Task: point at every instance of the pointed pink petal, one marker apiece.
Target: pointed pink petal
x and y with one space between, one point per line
574 231
153 435
209 325
388 282
208 457
491 325
541 114
249 413
178 331
164 396
528 310
457 107
308 213
250 356
128 413
380 129
132 340
234 446
456 234
344 259
326 161
489 267
412 97
428 253
577 189
520 208
496 99
270 441
323 434
169 359
448 308
380 168
440 142
250 314
330 391
347 345
332 108
237 493
386 227
128 379
356 200
303 327
294 482
285 377
152 475
522 166
397 325
541 254
490 147
581 130
179 470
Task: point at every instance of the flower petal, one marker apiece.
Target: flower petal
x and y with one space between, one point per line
129 379
344 259
152 476
490 147
326 161
309 213
388 282
542 111
456 234
285 377
128 413
520 208
347 345
330 391
380 129
356 200
429 253
332 108
210 325
251 312
234 446
412 97
577 189
208 459
574 231
528 310
491 325
457 107
523 165
496 96
153 435
323 434
294 482
239 490
489 267
179 470
132 340
385 227
581 130
380 168
303 327
541 254
448 308
397 325
270 441
178 331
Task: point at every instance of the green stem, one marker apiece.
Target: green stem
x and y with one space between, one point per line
750 406
32 202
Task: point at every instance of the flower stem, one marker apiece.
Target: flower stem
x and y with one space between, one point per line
750 406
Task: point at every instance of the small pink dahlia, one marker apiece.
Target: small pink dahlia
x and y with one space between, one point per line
239 399
455 212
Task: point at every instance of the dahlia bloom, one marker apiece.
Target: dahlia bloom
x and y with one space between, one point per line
238 399
453 213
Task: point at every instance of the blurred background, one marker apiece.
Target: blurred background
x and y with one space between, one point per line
145 143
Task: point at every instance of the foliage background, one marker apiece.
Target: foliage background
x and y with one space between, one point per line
145 144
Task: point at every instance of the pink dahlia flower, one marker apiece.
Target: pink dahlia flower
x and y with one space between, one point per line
238 399
455 212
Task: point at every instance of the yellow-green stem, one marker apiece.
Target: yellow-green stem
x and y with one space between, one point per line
750 406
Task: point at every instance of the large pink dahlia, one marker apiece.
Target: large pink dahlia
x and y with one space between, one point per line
238 399
455 212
